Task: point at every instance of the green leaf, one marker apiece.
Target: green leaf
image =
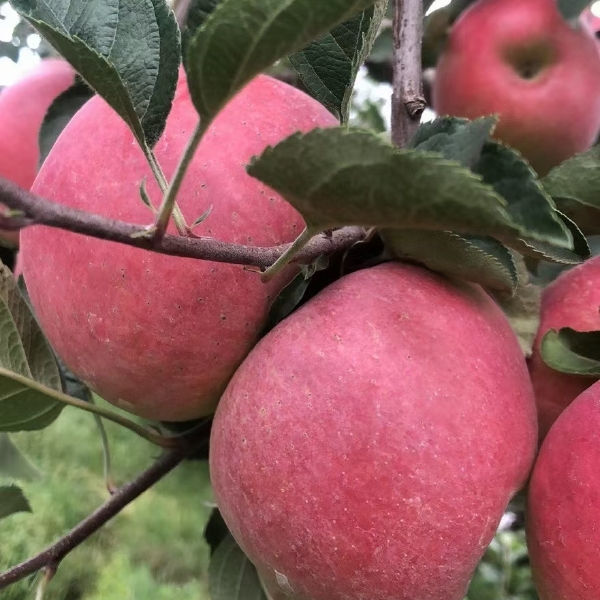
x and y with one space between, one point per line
198 12
341 176
24 355
586 217
581 246
454 138
12 500
551 253
577 179
60 113
70 384
243 37
292 294
528 204
522 307
328 66
481 260
215 531
571 9
127 50
13 464
231 575
572 352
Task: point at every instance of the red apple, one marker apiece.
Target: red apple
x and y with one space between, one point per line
562 516
23 106
524 62
571 300
368 445
159 335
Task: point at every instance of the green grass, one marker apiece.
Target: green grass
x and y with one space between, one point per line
153 550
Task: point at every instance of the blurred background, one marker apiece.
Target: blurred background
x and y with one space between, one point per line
155 549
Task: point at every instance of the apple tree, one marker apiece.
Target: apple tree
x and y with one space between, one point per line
385 346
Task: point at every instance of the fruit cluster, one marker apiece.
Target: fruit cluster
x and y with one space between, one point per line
368 445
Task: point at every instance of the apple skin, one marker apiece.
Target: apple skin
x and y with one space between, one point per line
562 506
369 444
571 300
482 71
157 335
23 106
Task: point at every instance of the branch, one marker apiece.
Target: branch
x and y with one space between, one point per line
50 558
408 102
181 9
30 210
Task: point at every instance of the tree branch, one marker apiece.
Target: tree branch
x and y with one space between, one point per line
408 102
51 557
34 210
181 9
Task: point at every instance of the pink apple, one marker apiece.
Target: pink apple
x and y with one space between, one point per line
369 444
23 106
572 300
158 335
563 512
523 61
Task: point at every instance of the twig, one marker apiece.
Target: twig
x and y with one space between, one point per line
35 210
168 203
181 9
408 102
54 554
47 575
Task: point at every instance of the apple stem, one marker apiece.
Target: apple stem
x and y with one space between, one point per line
168 203
163 184
408 102
288 255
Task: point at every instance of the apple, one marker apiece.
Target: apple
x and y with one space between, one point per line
562 506
524 62
369 444
571 300
23 106
157 335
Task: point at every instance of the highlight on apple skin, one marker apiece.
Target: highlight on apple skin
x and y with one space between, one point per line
524 62
369 444
158 335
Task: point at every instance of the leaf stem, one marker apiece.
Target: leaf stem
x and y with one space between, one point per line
288 255
47 576
163 184
140 430
166 208
106 462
